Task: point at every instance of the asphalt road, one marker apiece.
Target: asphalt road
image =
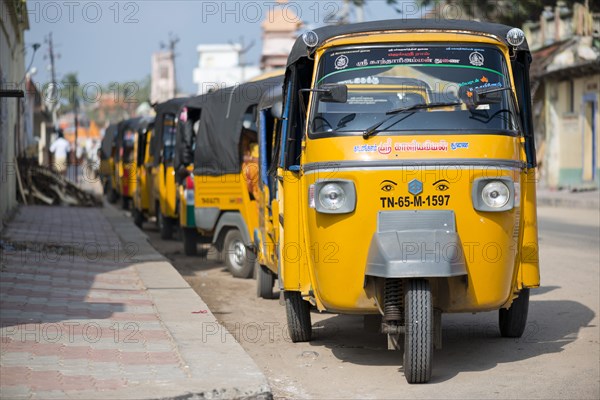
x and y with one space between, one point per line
557 357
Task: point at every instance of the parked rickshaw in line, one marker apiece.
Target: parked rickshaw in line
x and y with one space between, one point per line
107 163
163 199
226 172
125 172
187 130
143 168
266 236
407 179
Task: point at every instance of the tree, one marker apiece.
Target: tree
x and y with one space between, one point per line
70 92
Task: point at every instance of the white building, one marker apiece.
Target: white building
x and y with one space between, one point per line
219 66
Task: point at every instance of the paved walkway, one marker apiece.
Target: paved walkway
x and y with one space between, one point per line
88 313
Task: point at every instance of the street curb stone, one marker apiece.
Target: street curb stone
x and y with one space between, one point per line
218 367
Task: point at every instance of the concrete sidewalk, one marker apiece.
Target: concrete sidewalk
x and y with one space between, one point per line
89 310
589 199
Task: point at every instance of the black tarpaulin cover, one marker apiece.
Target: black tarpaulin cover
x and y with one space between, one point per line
108 141
122 127
327 32
217 143
168 107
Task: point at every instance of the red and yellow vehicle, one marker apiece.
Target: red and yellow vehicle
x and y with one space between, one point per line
143 166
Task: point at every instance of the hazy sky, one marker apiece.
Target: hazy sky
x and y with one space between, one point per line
106 40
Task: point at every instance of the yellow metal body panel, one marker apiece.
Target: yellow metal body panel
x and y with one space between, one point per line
227 193
164 191
141 197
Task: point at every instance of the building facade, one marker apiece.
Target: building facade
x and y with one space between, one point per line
566 91
280 30
13 24
219 66
163 86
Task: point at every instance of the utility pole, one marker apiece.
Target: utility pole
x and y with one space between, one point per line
54 93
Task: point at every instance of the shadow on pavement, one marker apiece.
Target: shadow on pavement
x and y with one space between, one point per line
470 342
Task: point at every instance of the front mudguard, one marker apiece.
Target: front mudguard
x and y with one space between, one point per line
415 254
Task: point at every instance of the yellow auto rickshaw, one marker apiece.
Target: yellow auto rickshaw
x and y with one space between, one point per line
226 172
125 172
143 167
406 179
107 163
163 199
185 137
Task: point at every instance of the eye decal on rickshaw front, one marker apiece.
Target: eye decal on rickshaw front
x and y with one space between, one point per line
388 186
442 185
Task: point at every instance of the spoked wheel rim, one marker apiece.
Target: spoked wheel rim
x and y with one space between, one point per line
237 253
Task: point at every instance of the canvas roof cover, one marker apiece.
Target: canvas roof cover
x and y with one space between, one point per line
217 143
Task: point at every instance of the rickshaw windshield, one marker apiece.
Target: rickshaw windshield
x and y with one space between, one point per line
169 128
391 77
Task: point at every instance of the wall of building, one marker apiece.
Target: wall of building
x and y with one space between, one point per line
565 124
12 70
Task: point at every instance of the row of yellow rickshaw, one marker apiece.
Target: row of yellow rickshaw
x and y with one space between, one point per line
388 171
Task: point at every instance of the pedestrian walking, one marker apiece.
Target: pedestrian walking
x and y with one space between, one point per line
59 149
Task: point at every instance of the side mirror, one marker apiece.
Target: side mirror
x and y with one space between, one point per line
277 110
487 96
334 93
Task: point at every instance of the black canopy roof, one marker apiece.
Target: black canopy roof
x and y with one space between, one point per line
328 32
108 141
270 97
168 107
217 144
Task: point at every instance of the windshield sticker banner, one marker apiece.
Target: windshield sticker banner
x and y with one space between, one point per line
386 147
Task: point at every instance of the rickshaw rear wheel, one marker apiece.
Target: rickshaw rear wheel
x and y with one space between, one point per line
298 317
138 217
238 259
514 319
264 282
190 241
418 336
125 201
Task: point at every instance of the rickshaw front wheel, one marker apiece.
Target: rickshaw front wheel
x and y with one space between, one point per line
514 319
190 241
418 336
138 218
238 259
264 282
298 317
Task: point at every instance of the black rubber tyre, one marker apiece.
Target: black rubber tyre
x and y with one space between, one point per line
125 202
138 218
112 195
265 280
238 259
165 226
298 317
514 319
418 338
190 241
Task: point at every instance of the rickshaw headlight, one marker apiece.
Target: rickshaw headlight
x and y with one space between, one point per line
332 196
335 197
494 194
